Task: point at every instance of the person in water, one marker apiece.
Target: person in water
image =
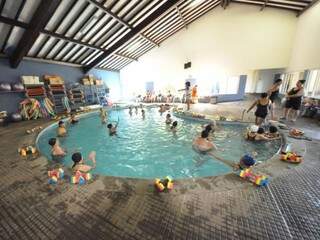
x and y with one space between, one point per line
187 94
162 109
273 94
173 127
168 119
56 150
257 133
293 101
136 109
73 119
130 110
273 132
62 131
112 129
143 112
247 161
263 105
103 116
203 144
78 162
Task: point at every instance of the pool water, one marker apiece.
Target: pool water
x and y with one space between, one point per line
146 148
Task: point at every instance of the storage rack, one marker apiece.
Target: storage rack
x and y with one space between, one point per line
57 92
76 97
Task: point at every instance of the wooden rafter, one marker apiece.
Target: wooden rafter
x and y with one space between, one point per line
110 13
23 25
314 2
135 31
125 57
181 17
39 20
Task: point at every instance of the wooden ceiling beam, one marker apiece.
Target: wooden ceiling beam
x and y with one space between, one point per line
41 17
110 13
59 36
125 57
135 31
181 17
313 3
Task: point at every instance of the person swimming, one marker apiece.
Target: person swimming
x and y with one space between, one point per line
112 129
78 162
168 119
257 133
173 127
62 131
202 144
73 119
103 116
273 132
245 162
56 150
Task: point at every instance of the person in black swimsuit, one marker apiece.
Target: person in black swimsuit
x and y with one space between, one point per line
293 101
273 93
263 104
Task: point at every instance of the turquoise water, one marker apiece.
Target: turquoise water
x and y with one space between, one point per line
146 148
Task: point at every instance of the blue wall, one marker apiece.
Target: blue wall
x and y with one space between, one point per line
10 101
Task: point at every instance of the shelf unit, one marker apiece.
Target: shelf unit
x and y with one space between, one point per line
100 93
76 97
57 92
35 91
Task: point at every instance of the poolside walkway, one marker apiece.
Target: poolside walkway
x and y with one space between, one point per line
116 208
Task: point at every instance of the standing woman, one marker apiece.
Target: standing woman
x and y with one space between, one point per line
293 100
263 105
273 93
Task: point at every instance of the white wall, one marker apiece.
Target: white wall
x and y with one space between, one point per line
306 48
220 44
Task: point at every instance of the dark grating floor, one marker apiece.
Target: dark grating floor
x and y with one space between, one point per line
112 208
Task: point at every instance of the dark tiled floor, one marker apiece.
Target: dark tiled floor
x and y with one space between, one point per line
113 208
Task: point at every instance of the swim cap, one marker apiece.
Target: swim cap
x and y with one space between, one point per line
52 141
254 128
248 160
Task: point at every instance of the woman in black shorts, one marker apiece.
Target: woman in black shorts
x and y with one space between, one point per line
263 105
273 93
293 101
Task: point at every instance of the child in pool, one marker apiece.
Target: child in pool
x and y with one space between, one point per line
162 108
203 144
112 129
257 134
73 119
245 162
273 132
173 127
62 131
168 119
103 116
56 150
78 162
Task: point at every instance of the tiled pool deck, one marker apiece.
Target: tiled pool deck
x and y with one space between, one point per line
114 208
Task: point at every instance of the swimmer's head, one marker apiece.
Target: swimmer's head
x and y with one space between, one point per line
60 123
254 128
76 158
273 129
168 116
174 124
260 130
188 84
52 141
264 95
204 134
208 128
247 160
109 125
